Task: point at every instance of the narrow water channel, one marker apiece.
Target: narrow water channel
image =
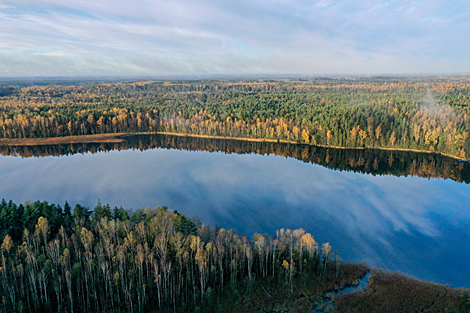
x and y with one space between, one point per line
326 305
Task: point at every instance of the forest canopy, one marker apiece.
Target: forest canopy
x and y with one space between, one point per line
115 260
429 114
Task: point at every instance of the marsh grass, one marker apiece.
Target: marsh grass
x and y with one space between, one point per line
396 292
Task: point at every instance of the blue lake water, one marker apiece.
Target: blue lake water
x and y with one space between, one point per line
415 225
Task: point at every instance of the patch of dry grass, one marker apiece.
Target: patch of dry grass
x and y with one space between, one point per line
114 137
395 292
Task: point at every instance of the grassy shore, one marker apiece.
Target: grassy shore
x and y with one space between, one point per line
386 292
395 292
114 137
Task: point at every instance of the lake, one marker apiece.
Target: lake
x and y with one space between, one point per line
398 210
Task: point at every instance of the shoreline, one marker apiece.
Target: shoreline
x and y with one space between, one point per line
114 137
109 137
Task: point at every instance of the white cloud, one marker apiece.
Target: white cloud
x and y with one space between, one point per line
243 37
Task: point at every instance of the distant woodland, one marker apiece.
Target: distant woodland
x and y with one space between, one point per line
428 114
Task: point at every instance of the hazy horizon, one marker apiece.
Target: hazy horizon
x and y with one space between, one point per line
99 77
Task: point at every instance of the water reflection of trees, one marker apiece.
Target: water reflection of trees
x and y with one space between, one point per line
375 162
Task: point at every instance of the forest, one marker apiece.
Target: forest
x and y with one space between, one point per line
415 113
56 259
113 260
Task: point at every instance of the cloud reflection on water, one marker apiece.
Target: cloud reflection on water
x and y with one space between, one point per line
382 220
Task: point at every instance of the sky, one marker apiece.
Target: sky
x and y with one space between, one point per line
242 37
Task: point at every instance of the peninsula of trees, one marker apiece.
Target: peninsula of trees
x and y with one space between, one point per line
54 259
427 114
149 260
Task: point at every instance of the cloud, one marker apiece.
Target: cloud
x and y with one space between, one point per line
226 37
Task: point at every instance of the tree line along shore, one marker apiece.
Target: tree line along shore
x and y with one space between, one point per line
370 161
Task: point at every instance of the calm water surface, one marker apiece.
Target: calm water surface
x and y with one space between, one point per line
414 225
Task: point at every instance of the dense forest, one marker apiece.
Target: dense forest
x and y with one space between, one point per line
370 161
429 114
113 260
